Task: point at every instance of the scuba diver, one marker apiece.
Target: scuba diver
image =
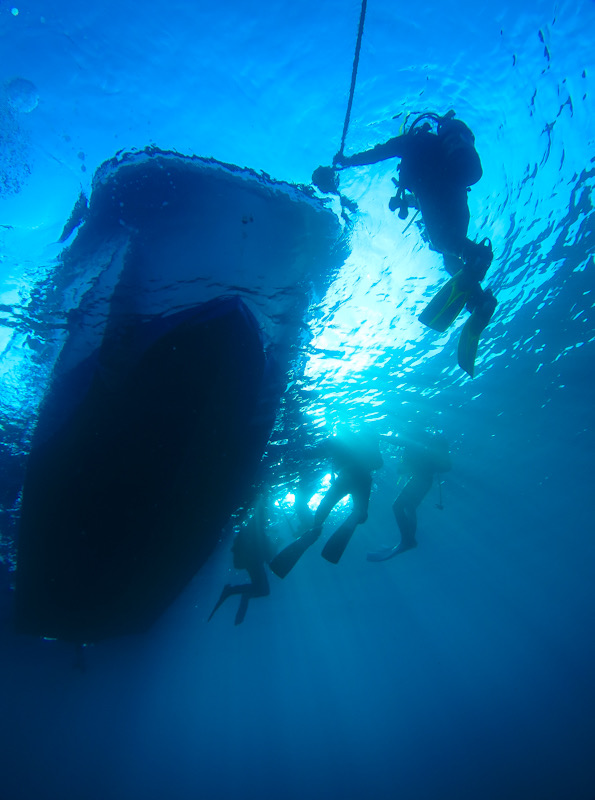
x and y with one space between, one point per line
354 456
435 172
251 550
425 453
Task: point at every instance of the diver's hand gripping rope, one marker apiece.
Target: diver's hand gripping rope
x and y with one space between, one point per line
325 178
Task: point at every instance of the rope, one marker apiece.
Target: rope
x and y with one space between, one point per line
358 45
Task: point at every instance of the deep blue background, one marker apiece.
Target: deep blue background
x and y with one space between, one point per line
463 669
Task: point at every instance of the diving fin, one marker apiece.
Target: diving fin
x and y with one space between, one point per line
472 330
223 597
384 554
390 552
335 547
285 561
242 608
447 304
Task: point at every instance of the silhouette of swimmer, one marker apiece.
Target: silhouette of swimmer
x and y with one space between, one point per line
435 172
251 551
424 455
354 456
437 168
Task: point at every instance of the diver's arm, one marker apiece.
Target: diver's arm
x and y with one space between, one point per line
394 148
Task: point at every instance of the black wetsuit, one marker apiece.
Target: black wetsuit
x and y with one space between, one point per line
354 458
405 505
250 552
353 476
438 173
421 460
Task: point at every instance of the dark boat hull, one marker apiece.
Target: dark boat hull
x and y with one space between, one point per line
124 501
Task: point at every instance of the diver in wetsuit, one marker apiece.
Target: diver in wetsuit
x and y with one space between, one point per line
251 551
424 454
437 168
354 457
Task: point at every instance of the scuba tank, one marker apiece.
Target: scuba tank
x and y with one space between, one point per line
458 143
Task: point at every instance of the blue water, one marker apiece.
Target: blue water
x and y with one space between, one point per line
462 669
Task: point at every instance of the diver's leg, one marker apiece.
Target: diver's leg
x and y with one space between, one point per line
228 591
285 561
260 582
258 588
404 508
303 493
477 257
452 263
360 495
407 522
242 608
336 492
335 547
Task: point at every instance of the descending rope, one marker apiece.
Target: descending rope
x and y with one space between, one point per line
358 45
326 178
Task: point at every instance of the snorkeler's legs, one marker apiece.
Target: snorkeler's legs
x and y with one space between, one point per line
338 489
303 493
407 522
242 608
477 258
359 487
452 263
286 560
226 592
335 547
404 508
258 588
